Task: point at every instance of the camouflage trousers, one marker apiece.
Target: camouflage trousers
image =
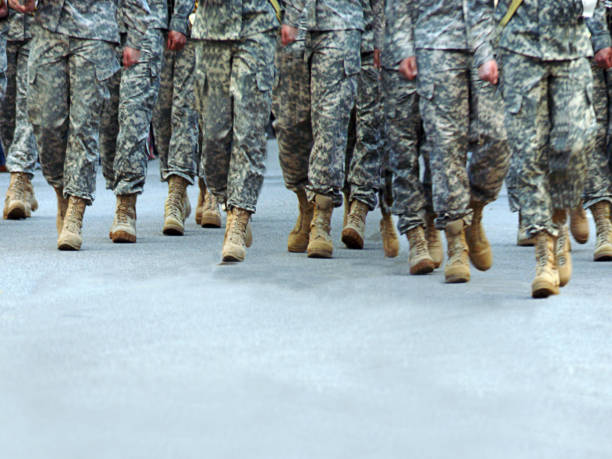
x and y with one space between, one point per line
175 118
365 149
461 113
404 138
127 118
15 128
68 88
234 83
291 108
551 127
2 65
335 62
598 185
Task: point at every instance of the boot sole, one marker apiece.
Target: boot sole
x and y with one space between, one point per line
232 259
605 255
297 249
68 246
122 237
422 267
352 239
543 290
525 243
210 221
173 228
320 252
456 279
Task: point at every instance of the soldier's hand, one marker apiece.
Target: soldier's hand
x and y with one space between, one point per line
489 72
288 34
377 58
131 56
603 58
408 68
29 6
176 41
3 9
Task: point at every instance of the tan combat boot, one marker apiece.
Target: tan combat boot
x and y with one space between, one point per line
177 207
200 205
70 237
457 268
211 215
124 224
434 241
603 244
62 206
353 232
546 281
320 243
389 235
563 248
300 234
522 240
419 258
579 225
234 245
480 252
20 201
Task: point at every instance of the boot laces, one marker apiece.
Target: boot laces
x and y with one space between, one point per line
175 203
19 188
123 213
542 254
237 232
560 249
210 202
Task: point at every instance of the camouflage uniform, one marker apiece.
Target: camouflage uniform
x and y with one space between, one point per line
403 120
332 49
548 93
17 135
3 64
134 92
71 60
460 112
598 185
234 79
365 149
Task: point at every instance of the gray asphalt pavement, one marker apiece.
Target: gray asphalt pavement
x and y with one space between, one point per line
156 350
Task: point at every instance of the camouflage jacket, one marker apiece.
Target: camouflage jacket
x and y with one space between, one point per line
19 26
549 30
95 19
455 25
167 15
233 19
599 28
399 36
322 15
373 14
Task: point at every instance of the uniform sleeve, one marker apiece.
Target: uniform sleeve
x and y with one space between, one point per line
137 17
378 10
294 10
480 27
180 16
600 35
399 31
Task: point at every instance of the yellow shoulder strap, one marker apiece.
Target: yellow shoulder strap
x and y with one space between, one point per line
511 10
277 9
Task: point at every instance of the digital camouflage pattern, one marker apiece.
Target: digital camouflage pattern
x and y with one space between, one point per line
233 19
291 108
335 63
175 119
453 25
68 78
551 125
548 94
460 114
398 41
3 30
325 15
127 117
366 147
598 185
16 130
235 80
373 33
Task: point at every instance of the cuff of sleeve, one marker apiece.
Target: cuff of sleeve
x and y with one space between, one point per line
483 54
601 41
179 24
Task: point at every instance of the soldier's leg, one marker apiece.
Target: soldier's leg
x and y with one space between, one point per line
9 53
3 66
363 174
292 124
488 163
335 64
162 112
404 135
109 127
21 153
444 80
